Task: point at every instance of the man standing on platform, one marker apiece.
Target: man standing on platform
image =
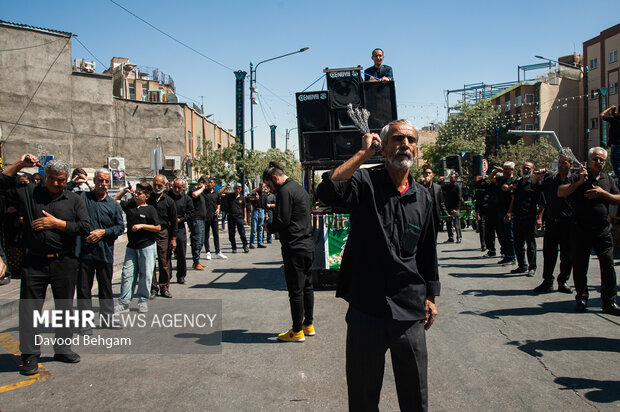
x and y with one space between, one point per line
165 239
379 72
389 271
592 191
95 251
292 221
185 210
53 218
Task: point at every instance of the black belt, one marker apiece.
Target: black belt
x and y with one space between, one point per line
55 255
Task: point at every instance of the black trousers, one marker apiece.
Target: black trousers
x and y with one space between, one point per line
557 235
180 252
299 284
86 276
212 226
505 234
236 223
525 235
164 254
368 339
488 228
582 242
39 272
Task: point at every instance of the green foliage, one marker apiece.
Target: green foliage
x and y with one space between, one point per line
462 132
226 168
541 154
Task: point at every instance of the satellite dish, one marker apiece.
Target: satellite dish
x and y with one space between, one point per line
171 98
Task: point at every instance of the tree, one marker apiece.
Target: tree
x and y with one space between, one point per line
465 131
220 165
541 154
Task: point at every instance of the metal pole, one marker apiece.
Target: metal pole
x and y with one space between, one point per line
252 105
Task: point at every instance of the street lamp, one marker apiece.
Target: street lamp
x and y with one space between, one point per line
584 70
253 87
288 134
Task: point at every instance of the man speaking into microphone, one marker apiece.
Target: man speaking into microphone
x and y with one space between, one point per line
389 270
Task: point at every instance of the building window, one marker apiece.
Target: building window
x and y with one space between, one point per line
613 88
145 91
529 127
594 63
593 94
132 91
518 101
498 107
594 123
507 106
613 56
529 99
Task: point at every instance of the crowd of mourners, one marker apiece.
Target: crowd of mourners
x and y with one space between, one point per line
569 207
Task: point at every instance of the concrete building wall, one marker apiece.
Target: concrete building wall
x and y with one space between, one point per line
560 113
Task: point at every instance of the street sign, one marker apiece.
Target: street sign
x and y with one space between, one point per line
485 165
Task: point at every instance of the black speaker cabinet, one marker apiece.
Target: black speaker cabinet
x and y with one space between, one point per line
380 101
313 113
453 163
332 147
316 146
344 87
342 120
476 165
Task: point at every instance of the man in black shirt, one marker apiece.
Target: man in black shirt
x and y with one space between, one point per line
486 214
291 220
197 222
96 250
439 206
185 210
258 200
389 270
139 265
166 238
591 192
379 71
237 216
213 201
526 216
504 219
558 214
611 116
452 194
53 218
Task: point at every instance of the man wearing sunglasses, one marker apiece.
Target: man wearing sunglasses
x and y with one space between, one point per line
591 192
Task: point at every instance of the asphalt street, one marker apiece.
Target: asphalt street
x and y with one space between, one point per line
494 346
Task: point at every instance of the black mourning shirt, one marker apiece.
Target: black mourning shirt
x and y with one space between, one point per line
200 210
452 196
139 215
32 200
236 205
166 210
614 129
212 199
503 198
592 214
390 258
184 207
557 209
526 197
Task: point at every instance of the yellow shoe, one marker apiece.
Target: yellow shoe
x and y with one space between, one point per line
291 336
308 330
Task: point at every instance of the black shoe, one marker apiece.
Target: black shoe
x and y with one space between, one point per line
30 365
509 262
70 357
531 272
5 280
581 306
234 250
261 246
545 287
563 288
490 254
85 331
246 250
166 294
611 308
449 241
181 280
251 246
153 294
483 248
520 269
458 240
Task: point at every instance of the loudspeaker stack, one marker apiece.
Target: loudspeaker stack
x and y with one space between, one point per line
327 135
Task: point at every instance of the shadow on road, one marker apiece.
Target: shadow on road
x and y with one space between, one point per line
255 278
481 275
489 292
229 336
598 344
605 391
543 308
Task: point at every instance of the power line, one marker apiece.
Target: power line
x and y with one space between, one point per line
37 89
91 53
30 47
169 36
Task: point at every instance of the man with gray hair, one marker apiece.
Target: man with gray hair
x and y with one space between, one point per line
389 271
591 192
53 218
95 250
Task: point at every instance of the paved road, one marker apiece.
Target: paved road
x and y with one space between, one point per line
495 345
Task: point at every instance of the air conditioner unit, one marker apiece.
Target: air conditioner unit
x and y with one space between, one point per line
88 67
116 163
172 162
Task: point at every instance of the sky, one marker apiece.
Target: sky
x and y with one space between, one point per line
431 46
